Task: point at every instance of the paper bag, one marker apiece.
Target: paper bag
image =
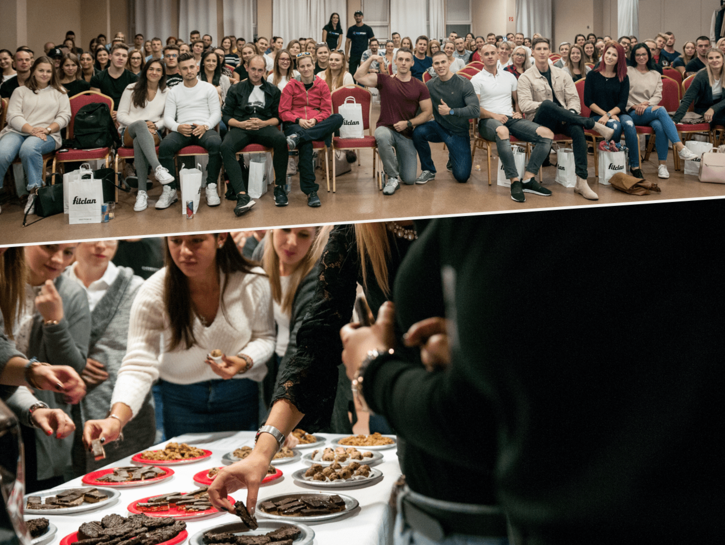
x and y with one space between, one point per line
351 112
519 159
85 200
611 163
257 185
565 168
74 175
190 180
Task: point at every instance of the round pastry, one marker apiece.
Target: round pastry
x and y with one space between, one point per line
328 471
319 477
314 453
340 450
352 466
310 473
334 477
357 455
345 473
335 465
341 458
367 454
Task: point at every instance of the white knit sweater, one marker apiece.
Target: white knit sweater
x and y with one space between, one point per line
39 110
246 326
127 113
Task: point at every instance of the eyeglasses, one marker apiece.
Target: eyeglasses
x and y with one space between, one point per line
303 54
173 56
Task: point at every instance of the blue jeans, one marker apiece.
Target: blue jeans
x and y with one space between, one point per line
624 124
210 406
661 123
459 149
31 150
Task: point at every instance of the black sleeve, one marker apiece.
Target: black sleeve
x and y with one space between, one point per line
371 34
230 104
275 103
623 95
692 66
96 80
348 36
690 96
589 89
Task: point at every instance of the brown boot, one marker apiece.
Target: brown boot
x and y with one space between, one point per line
582 187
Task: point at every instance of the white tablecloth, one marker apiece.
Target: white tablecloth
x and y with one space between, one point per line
370 524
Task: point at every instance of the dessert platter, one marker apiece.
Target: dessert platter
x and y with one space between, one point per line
342 456
41 530
369 442
308 441
284 456
267 532
124 477
306 507
351 476
207 476
177 505
69 501
173 453
114 529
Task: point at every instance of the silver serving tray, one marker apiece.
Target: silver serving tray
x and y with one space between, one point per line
375 460
112 494
375 477
229 459
47 537
321 441
394 444
350 504
308 534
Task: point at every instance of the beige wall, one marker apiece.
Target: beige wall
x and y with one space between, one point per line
571 17
264 19
352 7
13 24
51 26
490 16
687 19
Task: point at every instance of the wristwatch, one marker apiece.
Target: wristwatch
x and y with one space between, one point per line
410 125
248 361
48 130
358 379
450 112
34 407
274 432
32 363
50 322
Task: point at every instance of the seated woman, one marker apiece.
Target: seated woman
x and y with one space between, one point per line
226 70
575 64
37 112
140 116
689 51
520 61
455 63
434 46
504 55
311 48
88 70
70 75
102 59
645 94
110 291
706 92
282 71
240 72
290 257
135 62
208 298
230 57
294 49
6 65
322 58
336 75
590 53
390 54
211 72
406 43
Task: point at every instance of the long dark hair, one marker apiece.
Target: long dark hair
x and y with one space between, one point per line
339 22
217 70
95 57
139 95
177 299
12 286
650 60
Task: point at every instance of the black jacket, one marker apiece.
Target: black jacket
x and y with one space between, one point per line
701 93
237 102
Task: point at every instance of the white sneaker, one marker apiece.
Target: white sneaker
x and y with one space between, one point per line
162 175
687 154
142 201
30 205
212 197
391 186
168 197
662 172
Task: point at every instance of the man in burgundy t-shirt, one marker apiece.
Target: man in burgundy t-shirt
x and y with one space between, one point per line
401 97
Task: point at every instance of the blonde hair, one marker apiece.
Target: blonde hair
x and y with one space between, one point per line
270 264
527 58
338 81
373 244
12 287
710 74
581 65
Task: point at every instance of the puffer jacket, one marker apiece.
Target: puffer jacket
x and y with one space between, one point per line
296 102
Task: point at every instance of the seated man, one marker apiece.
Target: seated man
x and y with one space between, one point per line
421 61
454 103
547 96
400 98
375 66
113 80
306 108
23 62
500 115
251 111
192 111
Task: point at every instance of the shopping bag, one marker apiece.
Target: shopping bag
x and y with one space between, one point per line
190 180
257 185
351 112
565 168
611 163
712 167
85 200
693 166
519 159
68 177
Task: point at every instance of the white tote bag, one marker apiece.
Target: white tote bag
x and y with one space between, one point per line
565 168
257 184
351 112
611 163
693 167
72 176
190 180
519 159
85 200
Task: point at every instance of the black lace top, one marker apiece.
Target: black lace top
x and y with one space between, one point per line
310 380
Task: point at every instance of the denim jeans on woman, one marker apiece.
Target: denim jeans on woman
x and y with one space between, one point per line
458 149
661 123
624 124
31 150
523 130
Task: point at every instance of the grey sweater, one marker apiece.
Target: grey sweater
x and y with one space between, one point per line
108 338
459 95
19 400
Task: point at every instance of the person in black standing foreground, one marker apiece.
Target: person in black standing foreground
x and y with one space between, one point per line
251 112
358 36
611 437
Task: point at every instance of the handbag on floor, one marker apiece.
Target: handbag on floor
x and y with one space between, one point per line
633 186
712 167
48 202
565 167
693 166
519 159
611 163
257 185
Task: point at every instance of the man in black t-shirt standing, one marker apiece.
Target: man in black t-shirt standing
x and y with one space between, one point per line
358 36
114 80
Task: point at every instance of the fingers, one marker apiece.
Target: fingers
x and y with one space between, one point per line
386 314
252 493
420 331
91 431
347 329
65 426
42 420
435 352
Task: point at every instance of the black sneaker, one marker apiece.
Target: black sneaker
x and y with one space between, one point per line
637 173
280 196
230 195
131 181
449 166
292 142
517 193
532 186
244 204
313 200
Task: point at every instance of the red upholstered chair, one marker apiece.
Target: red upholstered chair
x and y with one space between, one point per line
364 98
3 112
686 131
390 68
674 74
427 77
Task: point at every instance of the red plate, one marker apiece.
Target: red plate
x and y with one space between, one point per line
73 538
91 478
139 460
173 511
202 477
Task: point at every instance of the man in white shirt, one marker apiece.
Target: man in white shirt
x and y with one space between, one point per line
501 116
192 111
262 46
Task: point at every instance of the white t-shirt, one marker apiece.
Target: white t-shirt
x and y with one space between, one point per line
270 62
494 92
282 320
717 89
256 97
284 81
97 289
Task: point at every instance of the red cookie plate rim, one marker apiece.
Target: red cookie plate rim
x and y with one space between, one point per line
202 477
91 478
180 538
137 458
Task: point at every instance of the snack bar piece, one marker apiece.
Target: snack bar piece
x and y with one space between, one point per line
34 502
37 527
253 540
149 507
95 496
97 450
241 510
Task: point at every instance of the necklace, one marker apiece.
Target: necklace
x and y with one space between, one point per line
402 232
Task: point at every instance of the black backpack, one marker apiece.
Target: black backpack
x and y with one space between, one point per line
93 127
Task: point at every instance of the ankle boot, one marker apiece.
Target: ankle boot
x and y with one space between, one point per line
582 187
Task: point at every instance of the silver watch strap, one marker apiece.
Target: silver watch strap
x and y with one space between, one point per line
274 432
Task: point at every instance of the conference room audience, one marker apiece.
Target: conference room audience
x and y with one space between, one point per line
454 63
699 61
389 55
504 54
230 57
113 81
282 71
705 92
434 46
248 51
421 61
576 65
69 75
210 71
461 52
375 66
156 50
356 42
322 57
332 33
23 63
669 51
171 63
591 55
336 75
563 54
135 62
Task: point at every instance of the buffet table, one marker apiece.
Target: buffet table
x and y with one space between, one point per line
371 523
